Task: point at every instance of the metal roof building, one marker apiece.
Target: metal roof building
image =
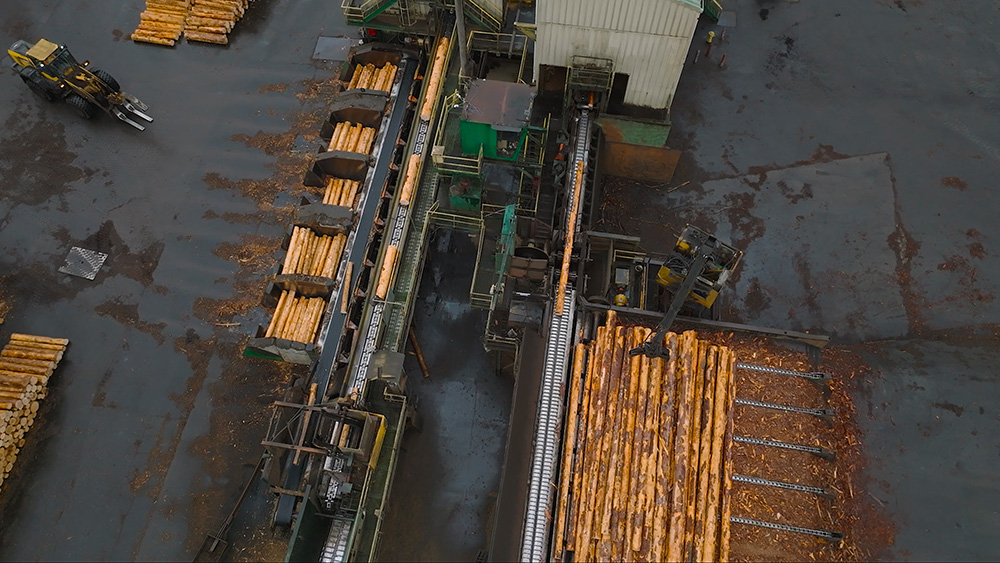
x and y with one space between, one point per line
648 40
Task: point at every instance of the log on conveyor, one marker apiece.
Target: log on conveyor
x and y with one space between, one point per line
643 473
26 364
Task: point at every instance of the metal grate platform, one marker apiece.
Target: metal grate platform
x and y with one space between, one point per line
83 263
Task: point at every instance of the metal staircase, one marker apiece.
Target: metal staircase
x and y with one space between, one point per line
358 12
483 16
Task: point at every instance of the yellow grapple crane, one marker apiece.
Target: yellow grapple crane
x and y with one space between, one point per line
695 271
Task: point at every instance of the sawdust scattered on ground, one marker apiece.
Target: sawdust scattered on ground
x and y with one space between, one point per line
865 525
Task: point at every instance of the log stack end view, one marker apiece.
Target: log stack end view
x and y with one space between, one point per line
26 364
645 469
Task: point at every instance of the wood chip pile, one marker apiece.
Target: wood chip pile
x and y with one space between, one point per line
296 318
162 21
313 255
645 462
352 137
26 363
372 78
210 21
341 192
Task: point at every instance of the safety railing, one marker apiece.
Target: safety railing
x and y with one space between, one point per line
446 219
451 164
362 11
503 44
483 15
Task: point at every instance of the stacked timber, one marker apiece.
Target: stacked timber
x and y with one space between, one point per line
341 192
26 363
645 473
296 318
210 21
311 254
371 77
352 137
162 22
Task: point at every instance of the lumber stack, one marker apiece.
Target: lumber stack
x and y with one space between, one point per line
644 473
26 363
352 137
210 21
371 77
162 22
311 254
296 318
341 192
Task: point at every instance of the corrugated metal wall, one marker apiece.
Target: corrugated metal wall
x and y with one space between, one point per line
647 39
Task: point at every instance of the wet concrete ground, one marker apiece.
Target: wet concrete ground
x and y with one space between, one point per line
154 419
850 148
442 500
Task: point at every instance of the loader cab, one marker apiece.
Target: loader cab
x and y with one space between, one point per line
51 59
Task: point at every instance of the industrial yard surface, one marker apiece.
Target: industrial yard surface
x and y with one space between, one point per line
154 419
848 148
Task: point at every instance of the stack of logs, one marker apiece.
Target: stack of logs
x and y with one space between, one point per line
341 192
372 78
296 318
646 468
162 21
311 254
26 364
352 137
210 21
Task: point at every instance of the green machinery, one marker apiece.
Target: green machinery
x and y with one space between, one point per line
52 73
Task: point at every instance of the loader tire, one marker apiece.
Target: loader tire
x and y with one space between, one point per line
108 79
39 89
82 107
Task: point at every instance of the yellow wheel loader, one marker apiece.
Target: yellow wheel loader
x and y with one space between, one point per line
52 73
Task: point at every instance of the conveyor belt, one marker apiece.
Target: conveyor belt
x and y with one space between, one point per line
355 249
370 342
335 549
534 540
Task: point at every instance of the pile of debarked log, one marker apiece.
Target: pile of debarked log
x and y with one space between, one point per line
210 21
352 137
341 192
646 470
26 363
371 77
162 22
296 318
313 255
